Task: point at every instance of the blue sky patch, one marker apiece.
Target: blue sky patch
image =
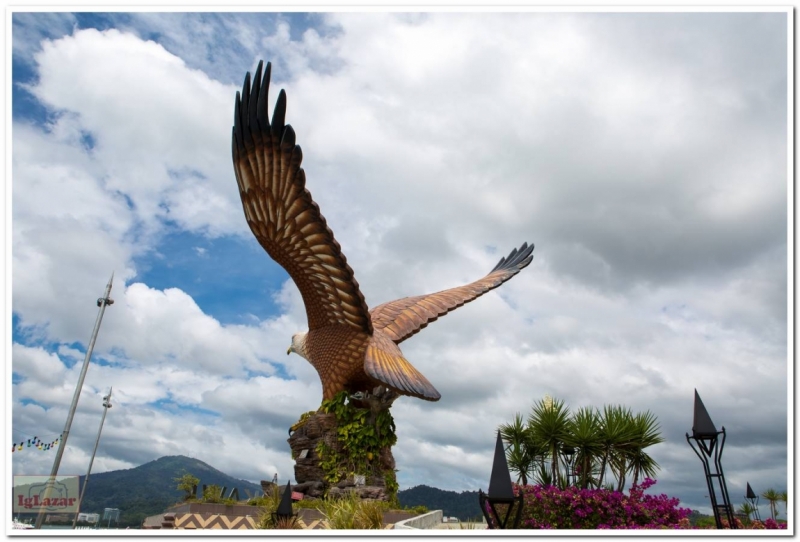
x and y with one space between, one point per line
195 263
170 405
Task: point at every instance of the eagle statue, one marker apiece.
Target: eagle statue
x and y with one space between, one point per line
352 348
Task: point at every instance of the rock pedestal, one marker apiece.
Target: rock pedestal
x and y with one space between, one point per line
321 427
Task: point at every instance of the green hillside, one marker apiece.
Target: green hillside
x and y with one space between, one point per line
462 505
149 489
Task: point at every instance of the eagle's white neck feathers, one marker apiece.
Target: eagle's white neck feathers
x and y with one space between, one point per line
299 345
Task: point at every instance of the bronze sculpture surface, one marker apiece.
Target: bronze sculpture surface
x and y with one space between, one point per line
352 348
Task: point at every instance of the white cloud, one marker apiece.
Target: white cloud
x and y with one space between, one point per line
644 155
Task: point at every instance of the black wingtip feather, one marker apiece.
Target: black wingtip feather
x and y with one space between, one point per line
263 94
288 138
246 94
254 93
279 114
518 258
237 121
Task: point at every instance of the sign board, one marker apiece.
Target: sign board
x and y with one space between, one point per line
297 496
31 494
303 454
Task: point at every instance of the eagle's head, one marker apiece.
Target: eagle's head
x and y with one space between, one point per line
298 345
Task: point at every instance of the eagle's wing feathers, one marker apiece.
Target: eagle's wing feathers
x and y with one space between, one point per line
402 318
282 215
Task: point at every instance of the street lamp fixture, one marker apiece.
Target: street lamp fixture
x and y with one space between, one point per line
705 434
500 493
753 498
569 457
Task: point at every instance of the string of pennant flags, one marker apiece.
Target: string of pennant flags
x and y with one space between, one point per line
35 443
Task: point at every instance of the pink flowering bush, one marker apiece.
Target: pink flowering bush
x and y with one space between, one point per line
574 508
769 523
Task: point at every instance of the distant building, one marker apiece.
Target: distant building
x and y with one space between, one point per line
89 518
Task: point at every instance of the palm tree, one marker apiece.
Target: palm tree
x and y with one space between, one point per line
784 498
612 438
747 509
584 430
646 433
773 497
522 450
616 432
549 424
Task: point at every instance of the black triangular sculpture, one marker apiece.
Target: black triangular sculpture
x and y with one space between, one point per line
703 427
285 507
750 494
500 481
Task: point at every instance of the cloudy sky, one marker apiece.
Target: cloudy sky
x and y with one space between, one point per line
644 154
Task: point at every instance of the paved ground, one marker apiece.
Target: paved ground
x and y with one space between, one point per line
457 526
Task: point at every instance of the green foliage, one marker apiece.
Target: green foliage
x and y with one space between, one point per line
269 505
595 441
747 510
187 483
362 435
705 522
419 509
523 449
212 494
773 497
549 426
390 482
350 512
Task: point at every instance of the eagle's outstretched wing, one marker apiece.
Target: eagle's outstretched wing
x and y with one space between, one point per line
402 318
282 215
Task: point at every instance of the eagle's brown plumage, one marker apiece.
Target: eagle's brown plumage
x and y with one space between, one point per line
350 347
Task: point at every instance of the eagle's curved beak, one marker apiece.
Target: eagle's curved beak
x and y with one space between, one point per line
288 350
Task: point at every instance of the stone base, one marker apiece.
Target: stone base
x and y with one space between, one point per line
321 427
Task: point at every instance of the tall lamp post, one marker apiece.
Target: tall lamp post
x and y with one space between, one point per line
753 498
705 434
102 302
106 406
500 492
569 457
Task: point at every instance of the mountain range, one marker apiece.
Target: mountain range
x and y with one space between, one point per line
151 488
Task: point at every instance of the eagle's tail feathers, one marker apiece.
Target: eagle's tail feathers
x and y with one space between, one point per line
391 368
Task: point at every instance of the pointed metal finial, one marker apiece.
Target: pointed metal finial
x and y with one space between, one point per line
500 481
703 426
750 494
285 508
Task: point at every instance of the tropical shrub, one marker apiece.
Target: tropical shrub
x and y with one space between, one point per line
350 512
187 483
576 508
769 523
560 447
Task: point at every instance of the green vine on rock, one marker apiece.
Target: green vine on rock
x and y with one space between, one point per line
361 435
390 480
